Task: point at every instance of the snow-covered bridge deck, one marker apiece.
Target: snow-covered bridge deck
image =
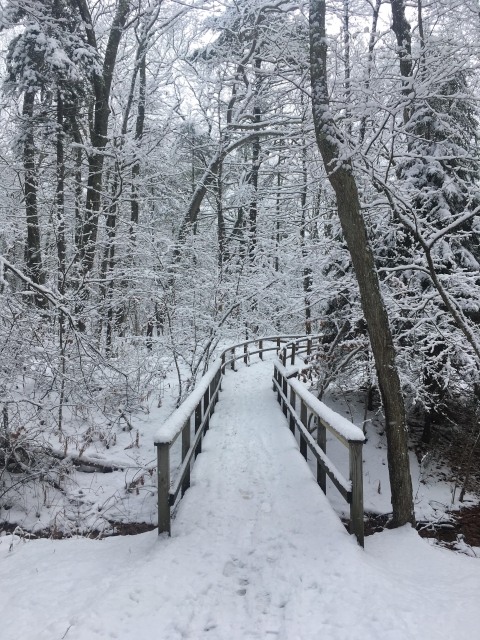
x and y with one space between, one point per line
256 552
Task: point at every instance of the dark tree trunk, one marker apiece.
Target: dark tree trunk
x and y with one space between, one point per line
221 228
401 28
371 46
277 216
402 31
99 135
77 178
61 246
307 272
353 225
118 317
108 263
253 179
134 212
34 266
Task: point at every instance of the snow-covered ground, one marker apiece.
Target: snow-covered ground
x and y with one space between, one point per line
257 552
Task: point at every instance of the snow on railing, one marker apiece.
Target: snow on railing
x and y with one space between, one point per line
288 389
191 422
172 427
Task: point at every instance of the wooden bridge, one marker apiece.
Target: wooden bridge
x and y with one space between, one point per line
257 551
305 415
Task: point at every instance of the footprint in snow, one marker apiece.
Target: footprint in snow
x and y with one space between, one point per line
229 569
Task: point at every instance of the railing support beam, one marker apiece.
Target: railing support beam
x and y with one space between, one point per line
322 443
352 490
292 402
185 448
356 477
304 419
163 484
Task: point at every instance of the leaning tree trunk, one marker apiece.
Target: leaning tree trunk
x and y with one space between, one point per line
343 182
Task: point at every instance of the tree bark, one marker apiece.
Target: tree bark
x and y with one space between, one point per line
140 124
101 84
253 178
34 265
61 243
401 28
307 272
343 182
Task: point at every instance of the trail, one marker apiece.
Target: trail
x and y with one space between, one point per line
256 552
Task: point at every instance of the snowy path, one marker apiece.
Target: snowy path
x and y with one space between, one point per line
256 553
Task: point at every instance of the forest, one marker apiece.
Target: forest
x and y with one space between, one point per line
178 176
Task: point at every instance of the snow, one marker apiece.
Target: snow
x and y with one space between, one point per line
256 552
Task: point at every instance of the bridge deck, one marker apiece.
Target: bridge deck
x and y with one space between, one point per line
256 553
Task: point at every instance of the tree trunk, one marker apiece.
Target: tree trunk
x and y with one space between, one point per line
307 272
61 245
102 83
253 180
401 28
221 227
134 211
343 182
34 266
371 46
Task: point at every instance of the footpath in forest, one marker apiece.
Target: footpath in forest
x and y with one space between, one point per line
257 552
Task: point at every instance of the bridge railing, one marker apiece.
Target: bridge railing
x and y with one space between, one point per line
299 407
191 421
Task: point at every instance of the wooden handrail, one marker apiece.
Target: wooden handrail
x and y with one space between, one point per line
289 390
197 408
195 412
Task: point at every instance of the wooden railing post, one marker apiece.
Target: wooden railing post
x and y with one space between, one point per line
278 345
322 443
212 395
292 402
260 347
206 415
232 366
223 362
163 484
185 447
352 490
304 419
245 351
198 422
309 346
356 477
